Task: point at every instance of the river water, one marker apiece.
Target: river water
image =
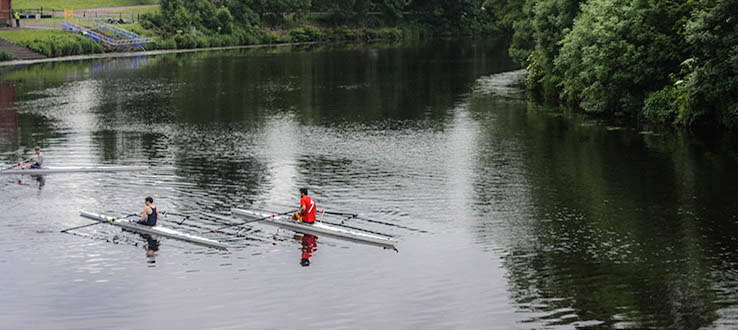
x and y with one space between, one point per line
509 214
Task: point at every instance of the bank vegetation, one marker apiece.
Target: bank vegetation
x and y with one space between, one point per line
670 61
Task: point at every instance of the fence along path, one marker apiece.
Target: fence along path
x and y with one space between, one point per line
130 40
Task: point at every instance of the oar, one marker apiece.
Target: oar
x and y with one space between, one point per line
186 217
17 164
78 227
175 214
356 228
250 221
352 215
183 220
95 223
357 217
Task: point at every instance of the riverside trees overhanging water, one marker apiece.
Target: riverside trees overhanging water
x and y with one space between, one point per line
673 61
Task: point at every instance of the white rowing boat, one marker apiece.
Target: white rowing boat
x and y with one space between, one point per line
318 228
74 169
155 230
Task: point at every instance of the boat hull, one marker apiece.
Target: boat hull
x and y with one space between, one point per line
318 228
155 230
81 169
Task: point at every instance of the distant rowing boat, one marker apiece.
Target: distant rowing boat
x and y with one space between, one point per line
74 169
155 230
318 228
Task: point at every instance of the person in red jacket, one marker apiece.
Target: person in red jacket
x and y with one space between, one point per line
306 213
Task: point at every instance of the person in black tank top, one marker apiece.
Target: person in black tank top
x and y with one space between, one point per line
150 214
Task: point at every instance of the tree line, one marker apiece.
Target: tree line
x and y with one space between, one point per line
671 61
432 16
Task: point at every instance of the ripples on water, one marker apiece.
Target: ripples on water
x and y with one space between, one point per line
509 214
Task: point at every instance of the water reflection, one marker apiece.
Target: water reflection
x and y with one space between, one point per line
34 180
40 180
150 244
8 116
308 249
599 229
122 63
597 224
151 247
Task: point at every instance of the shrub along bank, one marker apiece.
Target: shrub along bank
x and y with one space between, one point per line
185 24
208 23
253 36
5 56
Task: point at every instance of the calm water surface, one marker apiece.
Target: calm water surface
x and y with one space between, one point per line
510 214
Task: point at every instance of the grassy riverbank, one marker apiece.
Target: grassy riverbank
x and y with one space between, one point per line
252 36
206 23
79 4
55 43
52 43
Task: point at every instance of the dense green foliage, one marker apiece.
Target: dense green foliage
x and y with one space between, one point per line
673 61
52 43
65 45
549 21
464 17
5 56
713 35
209 17
617 52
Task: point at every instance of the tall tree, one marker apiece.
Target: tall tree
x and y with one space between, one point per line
454 17
273 12
550 20
620 50
340 11
713 33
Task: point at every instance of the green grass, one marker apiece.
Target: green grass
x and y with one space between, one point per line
78 4
140 10
52 43
17 36
137 29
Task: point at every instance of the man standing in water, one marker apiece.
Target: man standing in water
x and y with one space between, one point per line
306 213
36 161
150 214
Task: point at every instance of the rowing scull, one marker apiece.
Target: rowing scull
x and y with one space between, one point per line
318 228
155 230
74 169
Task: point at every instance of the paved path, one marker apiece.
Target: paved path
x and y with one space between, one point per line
123 8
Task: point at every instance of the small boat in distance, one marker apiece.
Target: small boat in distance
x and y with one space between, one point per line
318 228
74 169
154 230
